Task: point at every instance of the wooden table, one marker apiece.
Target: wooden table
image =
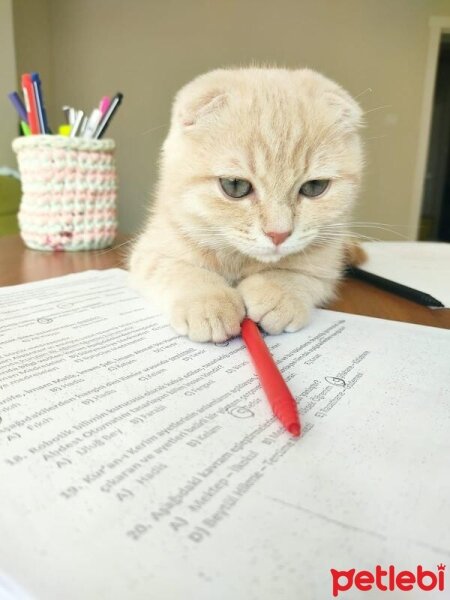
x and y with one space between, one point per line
20 265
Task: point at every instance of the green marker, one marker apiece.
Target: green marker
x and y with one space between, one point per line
25 128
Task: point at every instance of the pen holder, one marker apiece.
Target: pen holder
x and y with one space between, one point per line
69 188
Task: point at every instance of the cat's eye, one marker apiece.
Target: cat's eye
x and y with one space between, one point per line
314 188
235 188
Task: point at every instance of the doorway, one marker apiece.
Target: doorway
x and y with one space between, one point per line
435 213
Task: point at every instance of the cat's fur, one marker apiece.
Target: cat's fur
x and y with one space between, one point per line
203 258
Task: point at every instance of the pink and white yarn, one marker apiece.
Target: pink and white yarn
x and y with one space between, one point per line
69 189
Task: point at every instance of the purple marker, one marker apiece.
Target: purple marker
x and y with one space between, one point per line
18 105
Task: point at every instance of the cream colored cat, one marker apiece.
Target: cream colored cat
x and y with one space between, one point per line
259 173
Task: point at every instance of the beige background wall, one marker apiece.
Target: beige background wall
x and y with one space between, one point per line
149 48
8 123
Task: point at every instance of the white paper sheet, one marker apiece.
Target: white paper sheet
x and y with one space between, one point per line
136 464
10 590
424 266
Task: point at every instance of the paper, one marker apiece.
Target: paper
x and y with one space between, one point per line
136 464
10 590
424 266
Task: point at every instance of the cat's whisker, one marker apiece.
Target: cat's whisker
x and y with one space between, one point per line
203 228
205 232
349 232
204 236
342 234
154 129
113 248
376 137
207 241
217 245
210 243
360 237
364 92
388 227
377 108
362 223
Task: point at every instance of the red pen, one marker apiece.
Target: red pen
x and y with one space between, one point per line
280 398
30 103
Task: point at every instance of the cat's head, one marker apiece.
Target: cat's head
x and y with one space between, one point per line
261 160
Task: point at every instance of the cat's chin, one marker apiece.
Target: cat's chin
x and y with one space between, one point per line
268 258
277 255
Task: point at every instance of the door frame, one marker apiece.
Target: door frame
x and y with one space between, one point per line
438 27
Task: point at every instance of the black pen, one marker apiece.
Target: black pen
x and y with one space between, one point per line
106 119
395 288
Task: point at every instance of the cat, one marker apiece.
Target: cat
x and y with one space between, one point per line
258 175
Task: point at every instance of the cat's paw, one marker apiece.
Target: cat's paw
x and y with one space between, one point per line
270 305
213 315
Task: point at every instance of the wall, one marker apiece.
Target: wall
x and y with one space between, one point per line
8 120
148 49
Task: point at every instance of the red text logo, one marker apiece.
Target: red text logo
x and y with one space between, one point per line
388 580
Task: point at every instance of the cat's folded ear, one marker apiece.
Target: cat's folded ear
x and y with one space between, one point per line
347 111
332 98
199 100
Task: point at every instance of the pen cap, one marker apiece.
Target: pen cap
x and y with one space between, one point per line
69 189
64 129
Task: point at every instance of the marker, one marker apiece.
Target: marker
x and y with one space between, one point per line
278 394
394 288
40 103
66 113
106 118
38 108
77 124
92 123
72 116
64 130
104 104
30 103
24 127
82 128
18 105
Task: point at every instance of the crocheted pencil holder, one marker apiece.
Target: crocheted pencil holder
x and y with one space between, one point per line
69 189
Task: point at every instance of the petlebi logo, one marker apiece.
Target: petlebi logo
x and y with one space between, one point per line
388 580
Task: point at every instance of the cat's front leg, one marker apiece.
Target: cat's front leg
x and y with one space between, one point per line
282 300
198 303
208 314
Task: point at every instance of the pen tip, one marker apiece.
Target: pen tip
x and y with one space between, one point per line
294 429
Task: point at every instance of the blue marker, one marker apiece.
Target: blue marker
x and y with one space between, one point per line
40 103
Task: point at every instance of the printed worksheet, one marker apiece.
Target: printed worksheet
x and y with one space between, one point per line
136 464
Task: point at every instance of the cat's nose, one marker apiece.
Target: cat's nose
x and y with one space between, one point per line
278 237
